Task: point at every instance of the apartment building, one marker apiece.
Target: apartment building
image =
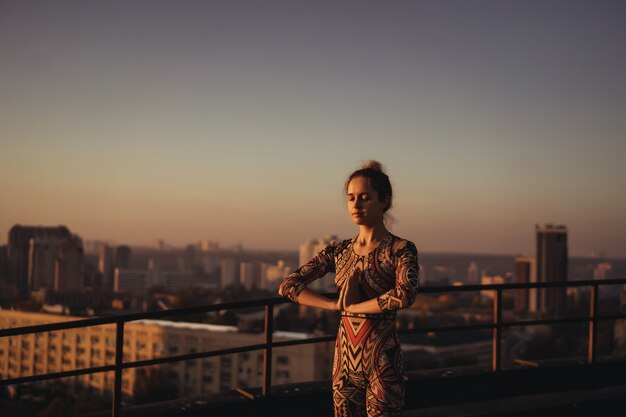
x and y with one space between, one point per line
66 350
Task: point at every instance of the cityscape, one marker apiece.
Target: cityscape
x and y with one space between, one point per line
164 166
51 275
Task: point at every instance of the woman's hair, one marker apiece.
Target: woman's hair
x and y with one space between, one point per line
373 171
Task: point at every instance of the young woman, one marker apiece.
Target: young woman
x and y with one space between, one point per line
376 274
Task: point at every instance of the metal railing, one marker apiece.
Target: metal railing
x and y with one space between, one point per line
495 326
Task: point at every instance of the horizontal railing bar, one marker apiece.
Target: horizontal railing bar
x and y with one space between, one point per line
99 321
304 341
57 375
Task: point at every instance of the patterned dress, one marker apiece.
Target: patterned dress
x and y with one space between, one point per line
367 366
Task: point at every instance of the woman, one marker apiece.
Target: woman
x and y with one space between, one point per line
376 274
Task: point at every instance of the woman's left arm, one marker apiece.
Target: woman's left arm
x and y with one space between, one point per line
405 290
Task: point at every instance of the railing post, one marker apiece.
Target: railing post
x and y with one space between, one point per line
267 357
496 334
119 356
593 330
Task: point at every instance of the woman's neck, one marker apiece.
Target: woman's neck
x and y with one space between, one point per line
370 234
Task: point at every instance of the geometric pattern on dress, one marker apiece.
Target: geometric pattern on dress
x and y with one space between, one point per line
367 365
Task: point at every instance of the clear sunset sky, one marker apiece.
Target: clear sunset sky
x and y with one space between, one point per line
239 121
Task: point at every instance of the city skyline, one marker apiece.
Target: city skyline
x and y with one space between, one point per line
239 123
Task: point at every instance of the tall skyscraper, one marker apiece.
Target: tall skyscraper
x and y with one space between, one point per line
4 264
551 266
122 256
19 254
473 276
525 300
306 251
106 266
228 272
69 266
55 264
250 275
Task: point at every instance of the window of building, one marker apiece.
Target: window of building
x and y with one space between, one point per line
282 374
283 360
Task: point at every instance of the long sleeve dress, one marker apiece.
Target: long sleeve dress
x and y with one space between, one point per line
367 367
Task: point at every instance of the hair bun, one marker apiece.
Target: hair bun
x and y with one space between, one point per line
371 164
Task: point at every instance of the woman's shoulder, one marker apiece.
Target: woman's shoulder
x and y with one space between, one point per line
342 245
399 244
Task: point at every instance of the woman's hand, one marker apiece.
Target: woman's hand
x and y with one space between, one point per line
349 294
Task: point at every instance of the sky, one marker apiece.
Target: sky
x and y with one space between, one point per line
240 121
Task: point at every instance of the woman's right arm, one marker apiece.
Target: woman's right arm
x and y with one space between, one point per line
310 298
294 285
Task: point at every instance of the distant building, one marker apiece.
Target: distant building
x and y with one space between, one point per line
603 270
273 275
65 350
106 266
135 282
42 256
488 280
308 250
228 272
69 266
250 275
473 274
443 273
525 273
177 280
160 245
19 254
4 264
207 246
122 256
551 266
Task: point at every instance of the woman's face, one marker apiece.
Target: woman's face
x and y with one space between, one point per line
364 206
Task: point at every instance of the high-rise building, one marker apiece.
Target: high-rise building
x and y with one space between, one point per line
306 251
55 263
106 266
309 249
473 274
4 264
250 275
42 254
190 260
132 281
273 275
525 300
69 266
551 266
122 256
19 252
209 264
228 272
